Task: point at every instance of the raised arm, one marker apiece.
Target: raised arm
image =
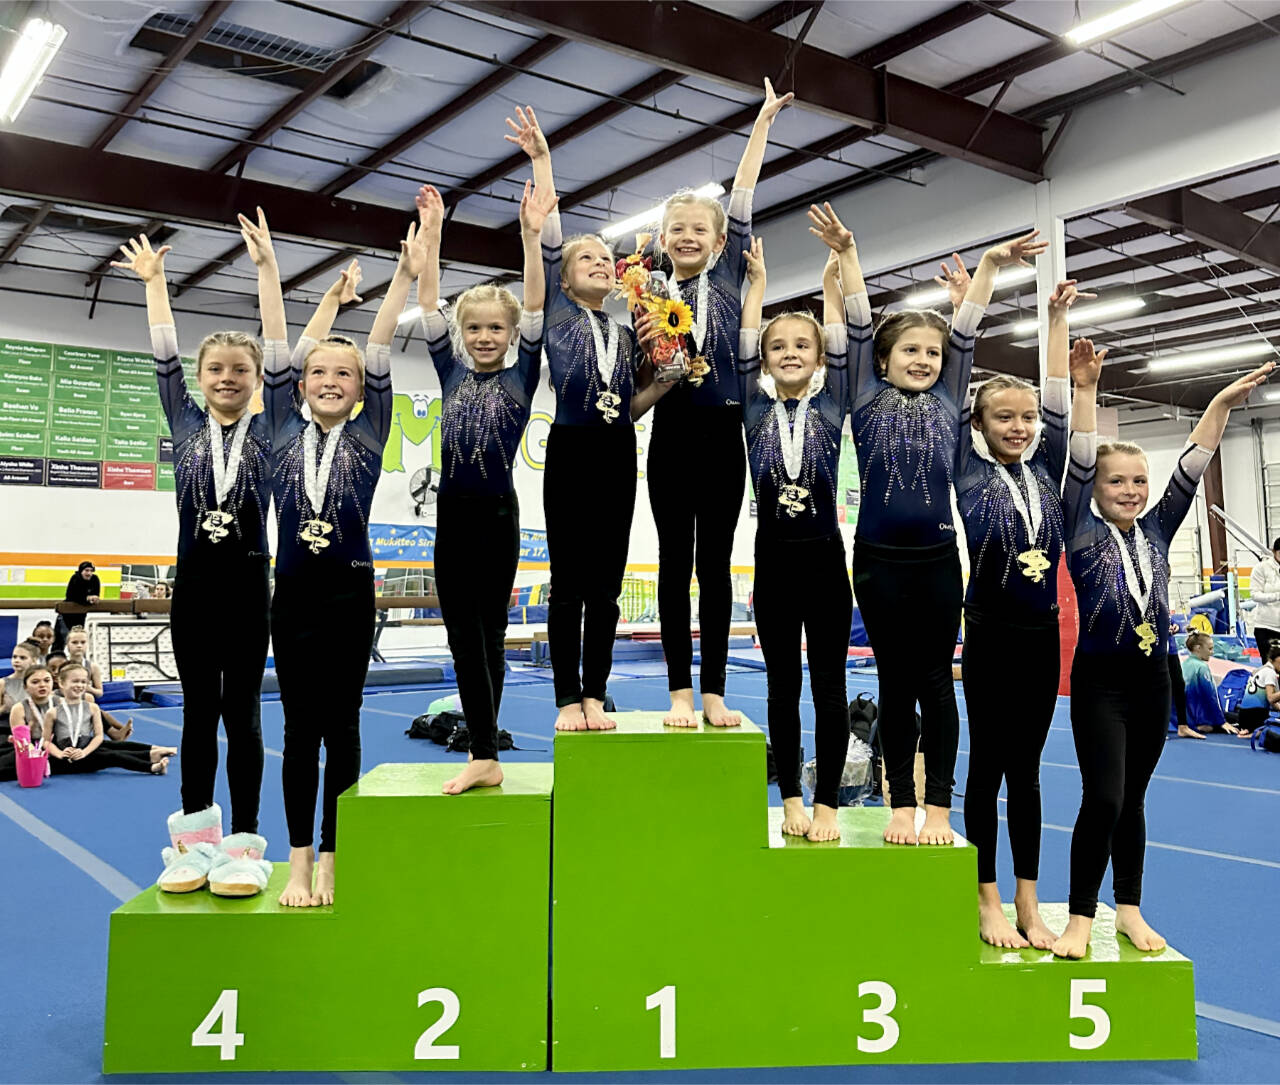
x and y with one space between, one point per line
749 328
535 205
148 265
1077 489
753 154
1213 423
413 261
430 225
257 239
1014 253
527 135
1055 397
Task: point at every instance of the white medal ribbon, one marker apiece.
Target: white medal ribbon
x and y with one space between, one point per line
315 477
226 466
606 349
699 330
792 439
1033 515
77 722
1144 565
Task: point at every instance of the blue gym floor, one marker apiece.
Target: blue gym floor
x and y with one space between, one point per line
77 847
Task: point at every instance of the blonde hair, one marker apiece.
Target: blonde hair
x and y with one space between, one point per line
339 343
685 197
1119 448
1195 640
488 293
1001 383
231 339
819 377
892 327
66 670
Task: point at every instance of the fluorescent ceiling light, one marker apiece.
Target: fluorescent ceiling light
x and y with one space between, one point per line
1088 314
27 63
1008 277
1120 19
654 214
1233 353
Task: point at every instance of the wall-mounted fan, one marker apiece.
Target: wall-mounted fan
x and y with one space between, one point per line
423 487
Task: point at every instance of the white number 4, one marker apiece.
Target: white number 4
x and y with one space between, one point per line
1096 1014
227 1039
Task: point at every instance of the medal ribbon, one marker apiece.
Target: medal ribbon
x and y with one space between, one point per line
699 330
315 478
1141 597
1028 507
792 440
606 349
77 722
226 466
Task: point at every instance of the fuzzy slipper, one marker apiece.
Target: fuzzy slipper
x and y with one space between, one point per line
239 870
202 827
186 869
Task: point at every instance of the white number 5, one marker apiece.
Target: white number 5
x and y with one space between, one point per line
879 1015
1096 1014
426 1047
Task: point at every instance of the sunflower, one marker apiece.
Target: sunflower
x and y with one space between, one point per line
675 316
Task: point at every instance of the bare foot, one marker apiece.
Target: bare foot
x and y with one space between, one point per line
937 826
127 729
795 822
993 926
570 718
1186 732
902 826
297 892
159 768
1030 924
715 712
323 891
824 824
1130 923
483 773
160 752
593 711
682 713
1075 939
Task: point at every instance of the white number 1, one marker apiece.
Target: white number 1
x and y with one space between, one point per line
227 1039
664 1001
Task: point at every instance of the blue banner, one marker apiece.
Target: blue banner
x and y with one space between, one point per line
416 545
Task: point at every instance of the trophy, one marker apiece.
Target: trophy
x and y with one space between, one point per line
644 288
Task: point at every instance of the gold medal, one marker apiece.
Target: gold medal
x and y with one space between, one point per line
607 405
1036 562
792 498
313 534
1146 637
215 524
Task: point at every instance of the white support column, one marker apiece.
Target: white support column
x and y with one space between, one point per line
1051 268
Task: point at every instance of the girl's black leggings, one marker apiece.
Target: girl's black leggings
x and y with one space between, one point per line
101 758
696 500
800 585
589 496
1119 716
221 650
477 551
1010 707
321 635
1177 689
910 603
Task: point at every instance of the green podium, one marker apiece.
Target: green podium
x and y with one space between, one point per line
433 956
661 912
689 933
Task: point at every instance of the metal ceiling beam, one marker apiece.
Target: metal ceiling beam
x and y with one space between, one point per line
647 88
1224 228
1011 68
914 36
1263 328
356 54
44 169
693 40
413 135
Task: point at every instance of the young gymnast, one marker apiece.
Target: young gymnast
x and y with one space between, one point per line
696 508
1204 713
906 568
793 416
1261 693
25 655
1008 489
35 700
323 474
486 407
77 652
42 636
222 474
601 388
1119 678
73 733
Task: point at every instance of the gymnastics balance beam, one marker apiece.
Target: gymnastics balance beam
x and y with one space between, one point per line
686 933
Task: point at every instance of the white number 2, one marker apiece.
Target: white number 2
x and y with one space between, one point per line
664 1001
1096 1014
227 1039
879 1015
426 1047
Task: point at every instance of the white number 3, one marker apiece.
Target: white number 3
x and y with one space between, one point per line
879 1015
1096 1014
227 1039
